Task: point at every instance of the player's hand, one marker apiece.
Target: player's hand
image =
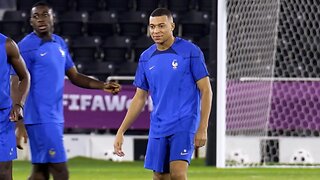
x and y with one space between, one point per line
112 87
16 113
118 145
200 138
21 134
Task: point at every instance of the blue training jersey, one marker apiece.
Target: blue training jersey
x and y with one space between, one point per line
5 99
170 77
47 62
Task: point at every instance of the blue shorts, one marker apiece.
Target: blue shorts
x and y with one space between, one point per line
8 150
161 151
46 143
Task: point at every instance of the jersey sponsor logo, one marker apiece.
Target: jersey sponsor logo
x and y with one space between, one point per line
174 64
184 152
43 54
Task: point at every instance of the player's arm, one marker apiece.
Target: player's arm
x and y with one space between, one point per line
22 83
206 100
84 81
136 106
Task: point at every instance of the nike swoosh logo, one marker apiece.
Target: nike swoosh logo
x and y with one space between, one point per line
151 67
43 54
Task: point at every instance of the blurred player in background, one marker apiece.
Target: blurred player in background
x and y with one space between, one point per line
48 60
10 112
174 73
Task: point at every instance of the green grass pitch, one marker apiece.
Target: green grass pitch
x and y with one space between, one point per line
89 169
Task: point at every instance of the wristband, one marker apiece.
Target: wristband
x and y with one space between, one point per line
21 106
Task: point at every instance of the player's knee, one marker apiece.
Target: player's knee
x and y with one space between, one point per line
59 171
64 175
61 177
178 175
156 176
61 174
161 176
38 176
178 170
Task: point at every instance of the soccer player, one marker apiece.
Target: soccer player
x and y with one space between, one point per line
10 112
48 60
174 73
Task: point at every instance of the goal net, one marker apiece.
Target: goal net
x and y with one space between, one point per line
268 95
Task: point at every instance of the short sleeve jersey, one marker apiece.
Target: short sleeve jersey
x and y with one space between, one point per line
170 77
5 100
47 62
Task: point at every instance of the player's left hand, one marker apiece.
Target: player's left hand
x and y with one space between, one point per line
112 87
16 113
21 134
200 138
117 145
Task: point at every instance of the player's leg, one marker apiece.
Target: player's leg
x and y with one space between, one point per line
40 171
181 150
46 145
157 158
6 170
59 171
178 170
161 176
8 151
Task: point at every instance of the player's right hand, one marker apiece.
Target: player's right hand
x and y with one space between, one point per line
21 133
112 87
118 145
16 113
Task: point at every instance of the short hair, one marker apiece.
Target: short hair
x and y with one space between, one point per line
42 3
161 12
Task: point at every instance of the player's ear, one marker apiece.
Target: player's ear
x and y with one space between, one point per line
54 17
173 26
30 22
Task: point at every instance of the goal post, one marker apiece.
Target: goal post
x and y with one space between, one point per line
268 83
221 82
247 33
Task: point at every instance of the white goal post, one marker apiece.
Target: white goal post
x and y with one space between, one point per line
268 83
221 82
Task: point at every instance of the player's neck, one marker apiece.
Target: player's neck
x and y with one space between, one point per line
166 44
44 36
